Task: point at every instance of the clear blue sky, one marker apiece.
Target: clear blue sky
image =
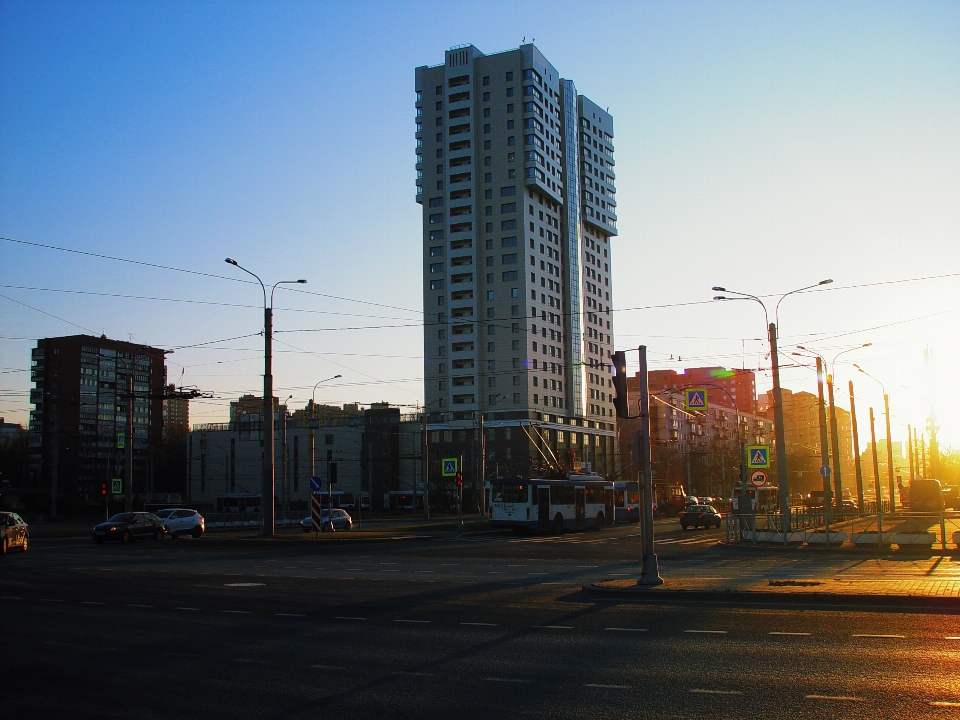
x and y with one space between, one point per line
762 146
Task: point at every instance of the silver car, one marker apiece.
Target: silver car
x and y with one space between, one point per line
341 521
182 521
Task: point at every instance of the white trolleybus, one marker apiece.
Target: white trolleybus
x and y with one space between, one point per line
574 502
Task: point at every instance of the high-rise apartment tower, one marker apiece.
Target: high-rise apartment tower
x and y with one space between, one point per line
515 176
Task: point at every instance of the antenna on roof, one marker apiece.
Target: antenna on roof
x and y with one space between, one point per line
524 38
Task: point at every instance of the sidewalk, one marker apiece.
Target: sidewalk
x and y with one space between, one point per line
932 582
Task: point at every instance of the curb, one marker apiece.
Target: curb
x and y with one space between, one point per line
752 597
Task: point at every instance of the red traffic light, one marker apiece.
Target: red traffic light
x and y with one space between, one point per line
103 488
459 479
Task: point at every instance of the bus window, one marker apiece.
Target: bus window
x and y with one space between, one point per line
562 495
510 493
593 495
618 498
633 497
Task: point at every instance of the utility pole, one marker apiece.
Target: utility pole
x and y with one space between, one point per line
779 432
426 468
834 441
856 448
886 410
910 451
267 520
483 469
824 446
649 569
283 459
876 464
128 495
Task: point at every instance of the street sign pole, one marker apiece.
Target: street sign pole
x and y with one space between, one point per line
460 496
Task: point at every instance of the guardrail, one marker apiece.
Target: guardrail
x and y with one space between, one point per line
903 529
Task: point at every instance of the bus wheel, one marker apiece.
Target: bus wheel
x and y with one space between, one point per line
600 521
558 523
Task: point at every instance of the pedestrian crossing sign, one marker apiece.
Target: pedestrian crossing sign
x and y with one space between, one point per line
695 399
116 486
449 467
758 456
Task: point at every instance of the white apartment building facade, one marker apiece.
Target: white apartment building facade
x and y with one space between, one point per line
515 177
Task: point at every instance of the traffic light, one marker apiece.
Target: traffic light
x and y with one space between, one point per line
103 488
459 479
332 476
620 384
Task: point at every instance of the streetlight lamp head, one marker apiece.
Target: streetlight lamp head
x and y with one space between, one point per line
801 347
301 282
231 261
825 282
719 297
337 376
866 345
717 288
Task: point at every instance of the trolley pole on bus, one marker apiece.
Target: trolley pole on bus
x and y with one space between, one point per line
649 570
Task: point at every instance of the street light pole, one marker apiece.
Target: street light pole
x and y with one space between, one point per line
313 435
886 412
779 432
268 485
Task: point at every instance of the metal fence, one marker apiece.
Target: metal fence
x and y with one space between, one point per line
905 530
251 519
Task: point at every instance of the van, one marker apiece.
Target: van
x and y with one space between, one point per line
926 496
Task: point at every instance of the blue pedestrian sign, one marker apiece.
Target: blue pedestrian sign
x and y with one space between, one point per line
316 484
758 456
116 487
695 399
449 467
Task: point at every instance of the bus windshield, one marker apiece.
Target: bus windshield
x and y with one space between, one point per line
509 493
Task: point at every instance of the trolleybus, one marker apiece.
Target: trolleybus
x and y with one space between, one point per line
626 501
575 502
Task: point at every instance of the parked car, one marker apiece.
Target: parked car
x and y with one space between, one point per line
130 526
697 515
182 521
341 521
16 533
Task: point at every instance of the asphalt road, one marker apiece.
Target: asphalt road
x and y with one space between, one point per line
438 627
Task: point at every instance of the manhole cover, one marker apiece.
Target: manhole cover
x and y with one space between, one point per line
243 584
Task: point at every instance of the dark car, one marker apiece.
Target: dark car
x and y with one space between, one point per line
16 533
697 515
130 526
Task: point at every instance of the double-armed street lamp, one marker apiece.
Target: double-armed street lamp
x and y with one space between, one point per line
780 438
267 488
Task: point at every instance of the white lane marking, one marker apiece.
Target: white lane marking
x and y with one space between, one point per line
347 617
243 584
413 621
414 674
618 629
237 612
838 698
479 624
554 627
49 600
10 597
91 602
947 637
138 606
701 691
865 635
506 680
185 608
707 632
289 615
944 703
610 687
330 667
791 634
